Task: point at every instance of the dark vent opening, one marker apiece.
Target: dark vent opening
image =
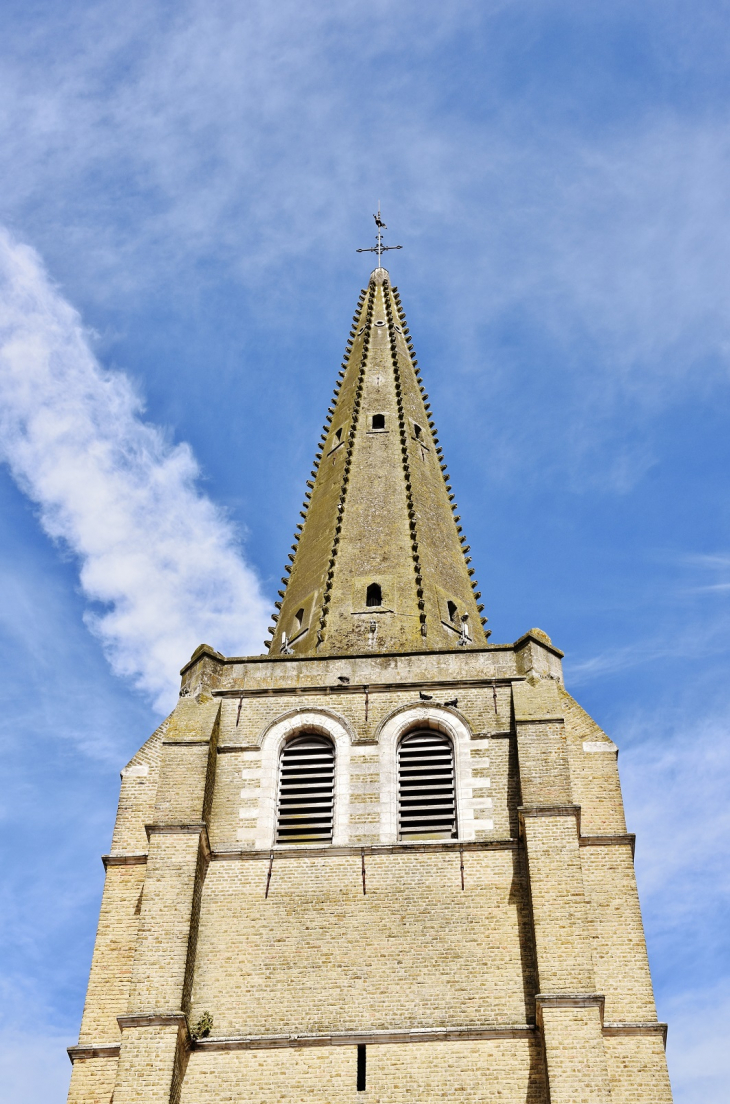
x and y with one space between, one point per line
299 618
426 795
361 1067
417 430
378 421
451 607
374 595
306 791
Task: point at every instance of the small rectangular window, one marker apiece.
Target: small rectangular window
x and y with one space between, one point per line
361 1067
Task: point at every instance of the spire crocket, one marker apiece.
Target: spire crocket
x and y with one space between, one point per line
380 562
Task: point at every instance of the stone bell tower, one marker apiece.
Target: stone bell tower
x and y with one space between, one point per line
386 861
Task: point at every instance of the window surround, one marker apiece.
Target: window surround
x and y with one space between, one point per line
444 719
297 722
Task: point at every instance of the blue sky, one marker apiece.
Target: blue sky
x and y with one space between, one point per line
184 189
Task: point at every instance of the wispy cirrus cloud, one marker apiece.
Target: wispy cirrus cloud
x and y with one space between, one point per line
228 132
160 564
218 140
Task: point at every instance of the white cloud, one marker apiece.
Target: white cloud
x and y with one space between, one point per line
230 139
675 772
682 818
156 553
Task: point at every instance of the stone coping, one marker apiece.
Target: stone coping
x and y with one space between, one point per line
224 661
370 688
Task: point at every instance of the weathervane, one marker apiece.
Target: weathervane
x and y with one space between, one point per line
379 248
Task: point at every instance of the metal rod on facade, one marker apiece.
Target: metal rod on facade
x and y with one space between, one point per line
461 864
362 864
238 715
268 876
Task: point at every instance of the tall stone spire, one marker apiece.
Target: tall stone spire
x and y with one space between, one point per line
380 563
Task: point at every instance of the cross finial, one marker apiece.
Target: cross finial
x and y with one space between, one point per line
379 248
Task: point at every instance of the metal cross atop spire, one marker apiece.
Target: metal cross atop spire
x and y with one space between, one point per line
379 248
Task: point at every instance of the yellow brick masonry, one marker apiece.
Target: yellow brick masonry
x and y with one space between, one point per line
569 1007
637 1069
153 1050
93 1080
484 1072
415 951
576 1060
540 913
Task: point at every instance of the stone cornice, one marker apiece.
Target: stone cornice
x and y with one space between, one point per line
568 1000
237 854
103 1050
618 840
126 858
328 852
199 828
398 1036
651 1028
351 1038
156 1019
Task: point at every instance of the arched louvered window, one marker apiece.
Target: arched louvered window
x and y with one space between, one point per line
306 790
426 793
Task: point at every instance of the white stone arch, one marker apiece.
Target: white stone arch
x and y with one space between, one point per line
272 740
444 719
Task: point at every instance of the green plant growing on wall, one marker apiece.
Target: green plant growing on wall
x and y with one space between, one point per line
203 1027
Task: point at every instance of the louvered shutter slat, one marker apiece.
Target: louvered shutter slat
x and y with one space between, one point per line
426 792
306 791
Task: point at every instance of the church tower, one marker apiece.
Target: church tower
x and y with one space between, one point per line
387 860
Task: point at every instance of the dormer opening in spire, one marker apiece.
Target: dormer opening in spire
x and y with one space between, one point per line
374 595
